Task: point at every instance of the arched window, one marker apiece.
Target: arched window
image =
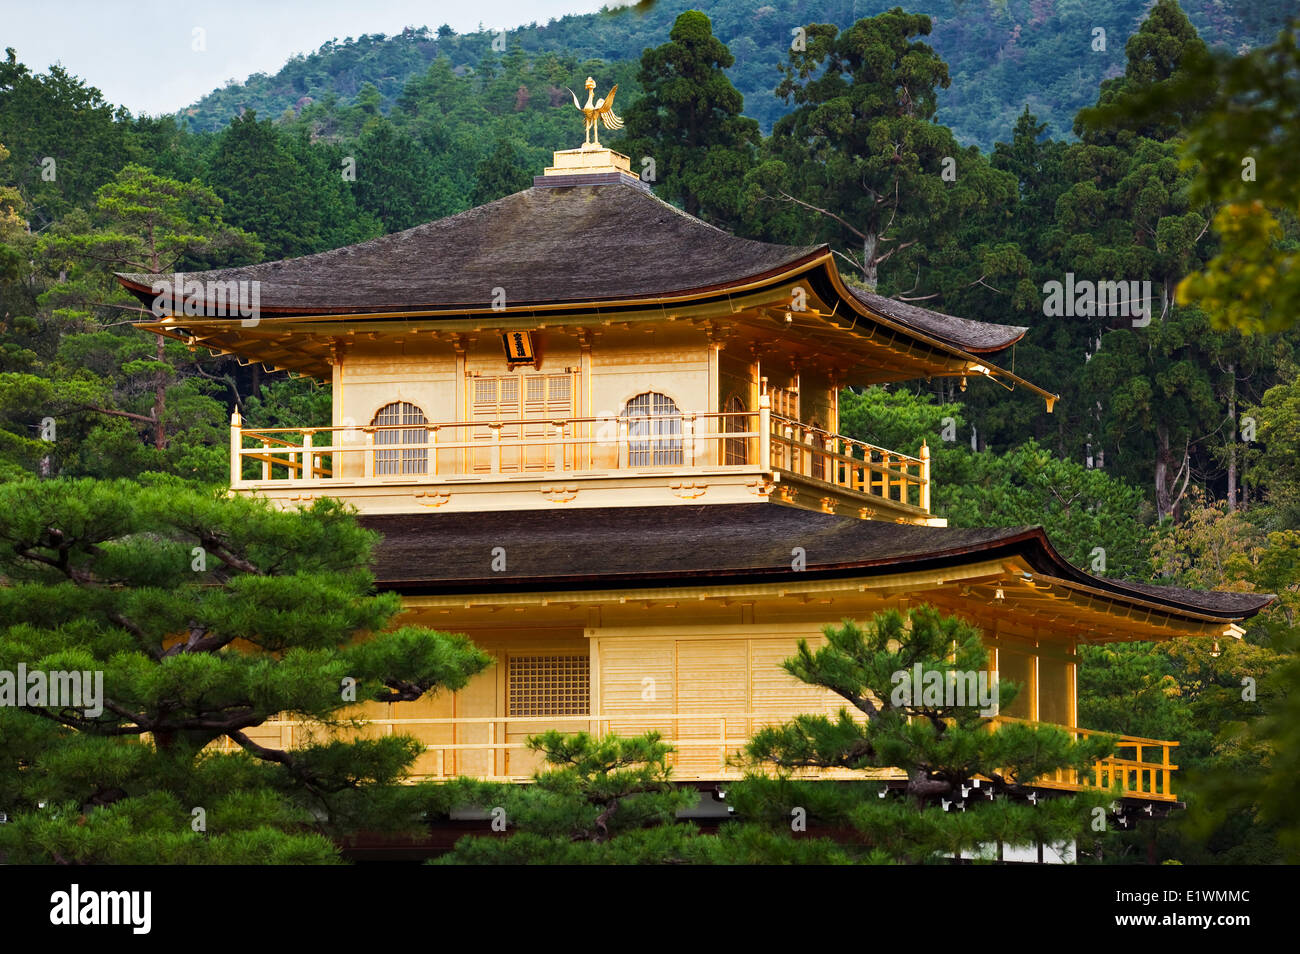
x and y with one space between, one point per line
654 429
735 449
400 423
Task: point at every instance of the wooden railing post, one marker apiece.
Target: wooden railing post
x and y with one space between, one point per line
722 749
236 448
495 463
765 432
308 456
368 443
925 477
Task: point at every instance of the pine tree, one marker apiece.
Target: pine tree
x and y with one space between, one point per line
204 616
607 800
117 399
965 787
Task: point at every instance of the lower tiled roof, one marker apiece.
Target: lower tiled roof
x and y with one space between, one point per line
654 546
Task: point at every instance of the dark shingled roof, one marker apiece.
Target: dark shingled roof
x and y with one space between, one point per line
547 246
962 332
543 246
718 543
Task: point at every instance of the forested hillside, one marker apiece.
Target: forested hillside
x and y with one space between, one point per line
1003 55
1172 451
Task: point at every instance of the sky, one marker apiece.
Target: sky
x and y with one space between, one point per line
141 53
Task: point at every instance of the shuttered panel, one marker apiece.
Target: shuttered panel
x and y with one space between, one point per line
773 690
718 683
547 398
538 399
548 685
538 686
713 681
654 430
495 399
636 678
405 459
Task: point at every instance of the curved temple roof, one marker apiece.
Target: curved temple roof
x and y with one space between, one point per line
720 543
592 244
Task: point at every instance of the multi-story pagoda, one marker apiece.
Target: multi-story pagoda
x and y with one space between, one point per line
601 437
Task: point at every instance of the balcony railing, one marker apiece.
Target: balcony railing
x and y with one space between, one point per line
1141 767
493 748
603 446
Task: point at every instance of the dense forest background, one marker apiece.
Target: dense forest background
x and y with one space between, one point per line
1002 55
1172 451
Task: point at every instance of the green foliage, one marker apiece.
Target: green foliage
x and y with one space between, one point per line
155 828
689 122
592 795
500 175
66 140
1192 690
436 123
89 395
1275 469
205 616
1240 115
1002 55
290 194
861 148
1262 787
1080 508
394 178
939 744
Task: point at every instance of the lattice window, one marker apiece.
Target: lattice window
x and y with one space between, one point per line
401 423
554 685
654 429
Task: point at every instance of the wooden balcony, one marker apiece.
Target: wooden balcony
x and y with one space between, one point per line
1142 768
493 748
696 457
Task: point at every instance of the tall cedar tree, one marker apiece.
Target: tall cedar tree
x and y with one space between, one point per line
689 123
861 149
1241 118
1162 389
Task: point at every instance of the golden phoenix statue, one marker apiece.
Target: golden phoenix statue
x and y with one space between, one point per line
595 113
